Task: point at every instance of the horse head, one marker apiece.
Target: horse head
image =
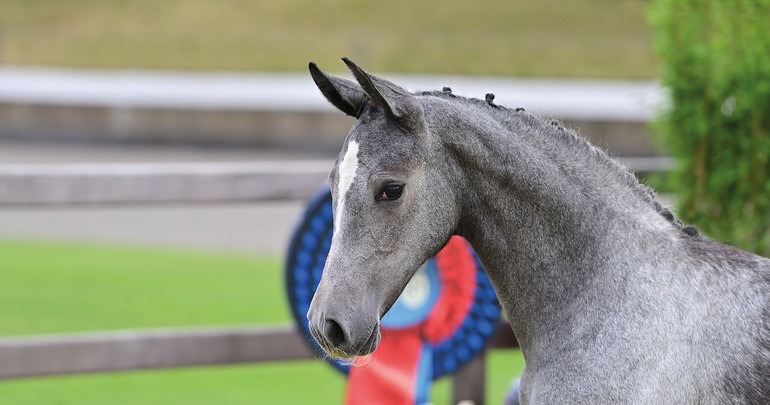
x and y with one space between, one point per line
392 210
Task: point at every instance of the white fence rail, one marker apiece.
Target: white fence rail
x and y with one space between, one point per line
92 183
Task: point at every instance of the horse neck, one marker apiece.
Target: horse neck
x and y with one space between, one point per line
546 216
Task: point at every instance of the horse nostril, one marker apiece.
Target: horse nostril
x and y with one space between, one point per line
335 334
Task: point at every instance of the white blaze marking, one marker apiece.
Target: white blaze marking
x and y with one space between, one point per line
346 174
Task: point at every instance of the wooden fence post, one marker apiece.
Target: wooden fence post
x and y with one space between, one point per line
468 381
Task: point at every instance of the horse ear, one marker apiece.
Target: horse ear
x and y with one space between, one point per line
344 94
398 103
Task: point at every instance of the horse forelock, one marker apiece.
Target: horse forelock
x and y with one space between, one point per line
571 140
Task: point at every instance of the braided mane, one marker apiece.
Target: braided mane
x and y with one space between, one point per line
554 128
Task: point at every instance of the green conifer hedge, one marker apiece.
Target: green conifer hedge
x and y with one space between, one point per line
715 58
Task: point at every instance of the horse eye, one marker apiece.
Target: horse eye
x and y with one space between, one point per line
391 192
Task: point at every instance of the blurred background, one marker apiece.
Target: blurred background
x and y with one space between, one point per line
155 155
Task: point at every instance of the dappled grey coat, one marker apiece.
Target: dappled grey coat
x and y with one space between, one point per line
611 298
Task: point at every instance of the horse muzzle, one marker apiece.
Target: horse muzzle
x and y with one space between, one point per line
344 337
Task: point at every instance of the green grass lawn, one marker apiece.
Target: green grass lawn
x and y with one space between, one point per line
60 287
584 38
68 287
